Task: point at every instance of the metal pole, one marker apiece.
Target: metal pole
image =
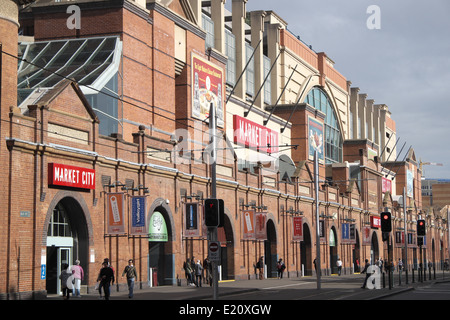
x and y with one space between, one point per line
213 230
316 198
405 263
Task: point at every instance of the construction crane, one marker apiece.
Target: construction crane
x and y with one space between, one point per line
428 164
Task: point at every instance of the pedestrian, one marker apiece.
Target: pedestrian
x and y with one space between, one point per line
280 268
106 278
130 272
339 266
260 266
188 272
193 271
78 275
400 265
367 274
198 269
207 267
65 277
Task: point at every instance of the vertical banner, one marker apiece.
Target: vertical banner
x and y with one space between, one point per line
345 236
260 226
410 183
115 209
315 139
248 224
366 241
138 209
191 220
297 228
207 88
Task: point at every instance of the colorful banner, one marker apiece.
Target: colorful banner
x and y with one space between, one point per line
252 135
207 88
248 224
297 228
138 209
157 229
386 185
260 226
315 139
115 209
191 220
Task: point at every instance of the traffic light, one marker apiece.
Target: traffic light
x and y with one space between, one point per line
421 228
386 225
214 212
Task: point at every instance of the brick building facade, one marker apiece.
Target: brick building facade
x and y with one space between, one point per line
127 100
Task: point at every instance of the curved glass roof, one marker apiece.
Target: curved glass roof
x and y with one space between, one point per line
318 99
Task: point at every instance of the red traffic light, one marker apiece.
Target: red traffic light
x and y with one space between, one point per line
386 222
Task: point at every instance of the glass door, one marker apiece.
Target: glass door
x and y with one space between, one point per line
64 256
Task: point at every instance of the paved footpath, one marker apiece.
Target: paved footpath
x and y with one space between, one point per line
345 287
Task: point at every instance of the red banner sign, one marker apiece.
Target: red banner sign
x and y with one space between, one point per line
70 176
375 222
250 134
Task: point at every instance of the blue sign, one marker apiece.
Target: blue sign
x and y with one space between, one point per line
345 231
138 211
43 271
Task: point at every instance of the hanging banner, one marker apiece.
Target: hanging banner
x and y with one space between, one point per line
260 226
248 224
297 228
191 220
138 210
157 229
115 209
410 183
315 139
252 135
345 236
366 231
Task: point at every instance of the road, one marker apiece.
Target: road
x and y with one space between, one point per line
433 291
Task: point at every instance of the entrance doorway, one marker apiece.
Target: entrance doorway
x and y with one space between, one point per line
305 252
270 250
67 241
160 256
333 251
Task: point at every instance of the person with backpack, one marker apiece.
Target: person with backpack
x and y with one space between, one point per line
280 268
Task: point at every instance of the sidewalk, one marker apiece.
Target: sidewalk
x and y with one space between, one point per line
345 287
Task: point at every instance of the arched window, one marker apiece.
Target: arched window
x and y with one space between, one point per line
318 99
59 225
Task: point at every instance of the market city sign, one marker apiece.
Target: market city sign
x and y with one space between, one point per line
253 135
70 176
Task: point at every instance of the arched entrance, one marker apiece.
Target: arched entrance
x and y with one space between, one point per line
270 250
225 236
374 249
333 251
356 252
160 245
305 251
67 238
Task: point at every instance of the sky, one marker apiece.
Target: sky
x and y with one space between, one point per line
398 55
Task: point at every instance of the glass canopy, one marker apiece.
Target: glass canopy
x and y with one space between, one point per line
92 62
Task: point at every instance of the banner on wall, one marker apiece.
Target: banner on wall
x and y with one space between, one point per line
297 228
248 224
260 226
409 183
315 139
191 219
115 208
207 88
138 210
366 231
157 229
